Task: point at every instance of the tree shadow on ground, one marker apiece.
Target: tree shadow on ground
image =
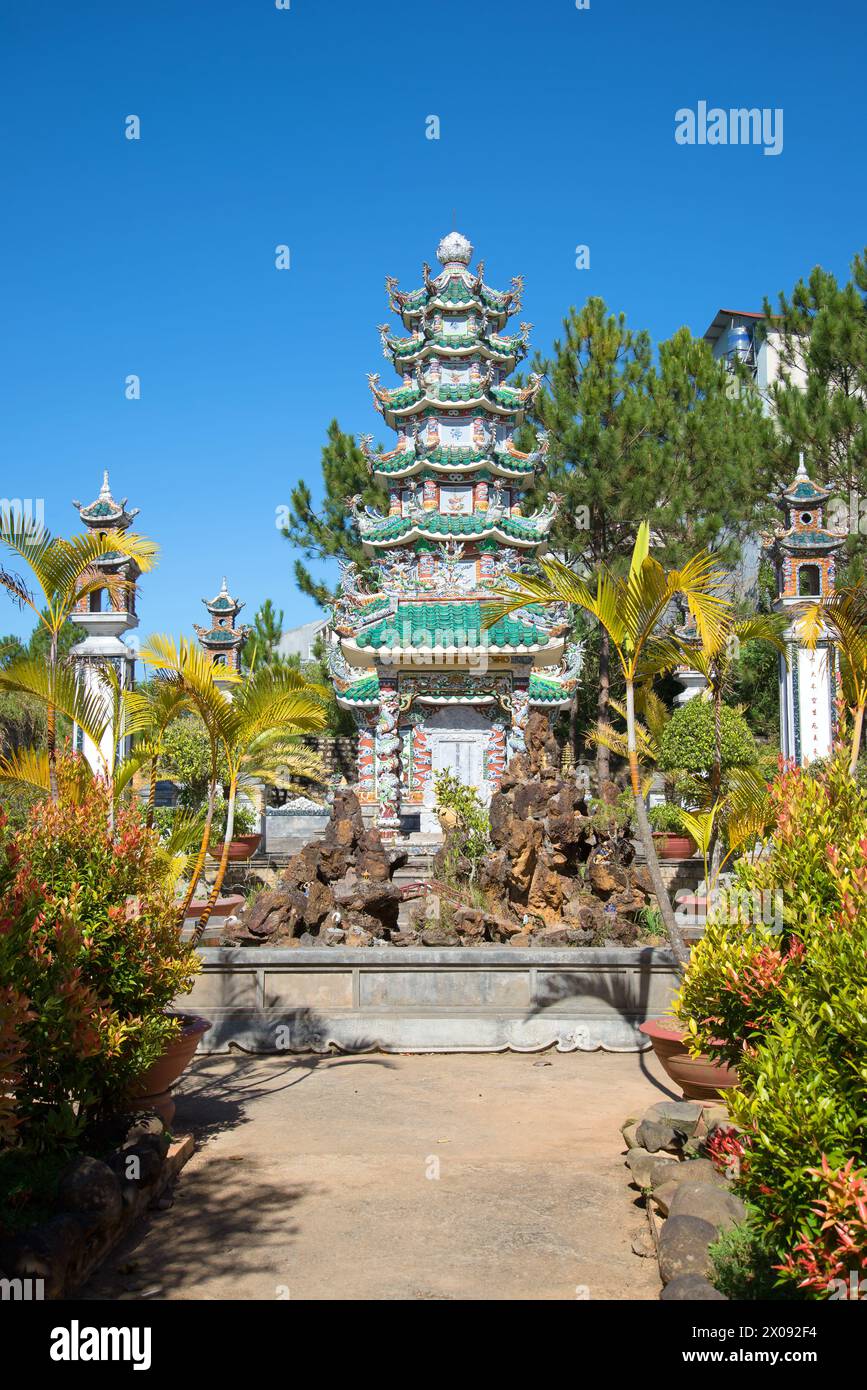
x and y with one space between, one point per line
627 995
211 1100
225 1223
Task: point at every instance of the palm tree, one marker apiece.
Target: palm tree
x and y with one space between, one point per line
844 615
255 733
652 716
630 610
32 769
713 657
65 572
148 712
186 663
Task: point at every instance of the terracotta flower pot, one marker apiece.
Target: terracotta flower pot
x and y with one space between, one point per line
153 1088
241 847
698 1077
671 846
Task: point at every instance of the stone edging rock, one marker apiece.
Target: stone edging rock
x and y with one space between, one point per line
688 1201
98 1204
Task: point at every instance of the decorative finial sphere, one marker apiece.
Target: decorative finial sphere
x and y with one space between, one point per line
454 247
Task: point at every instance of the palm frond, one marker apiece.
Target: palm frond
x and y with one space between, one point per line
58 686
26 770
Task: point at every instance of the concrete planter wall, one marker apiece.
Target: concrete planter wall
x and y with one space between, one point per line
394 999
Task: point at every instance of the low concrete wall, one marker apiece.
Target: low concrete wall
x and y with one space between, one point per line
395 999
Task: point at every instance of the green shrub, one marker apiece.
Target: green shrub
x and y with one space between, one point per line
743 1265
688 740
90 959
246 820
666 817
789 1007
471 837
186 759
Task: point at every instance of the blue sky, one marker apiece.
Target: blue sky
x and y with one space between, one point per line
306 127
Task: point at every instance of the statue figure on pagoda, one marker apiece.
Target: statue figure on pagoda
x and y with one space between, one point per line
223 641
803 552
105 614
431 689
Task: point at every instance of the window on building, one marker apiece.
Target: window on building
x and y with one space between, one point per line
95 601
809 581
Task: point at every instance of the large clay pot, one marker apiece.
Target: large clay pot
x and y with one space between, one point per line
671 846
698 1077
152 1091
241 847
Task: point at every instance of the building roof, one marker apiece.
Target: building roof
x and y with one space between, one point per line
543 690
433 525
449 625
223 601
104 511
802 489
723 319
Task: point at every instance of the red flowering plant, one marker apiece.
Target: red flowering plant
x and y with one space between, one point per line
91 956
727 1150
830 1259
787 1003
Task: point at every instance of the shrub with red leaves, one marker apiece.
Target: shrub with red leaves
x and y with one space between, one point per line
90 959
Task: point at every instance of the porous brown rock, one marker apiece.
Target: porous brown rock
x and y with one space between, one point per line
551 864
335 891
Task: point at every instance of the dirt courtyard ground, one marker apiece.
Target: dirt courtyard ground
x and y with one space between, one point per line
449 1176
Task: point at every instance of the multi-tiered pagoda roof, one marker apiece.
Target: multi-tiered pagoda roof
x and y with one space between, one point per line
411 639
456 523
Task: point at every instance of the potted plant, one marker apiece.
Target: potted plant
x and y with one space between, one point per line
152 1090
669 834
246 838
92 953
697 1075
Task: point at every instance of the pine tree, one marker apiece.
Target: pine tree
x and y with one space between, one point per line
329 532
822 336
680 442
594 410
264 638
709 460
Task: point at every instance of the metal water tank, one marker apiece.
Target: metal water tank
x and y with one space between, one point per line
738 342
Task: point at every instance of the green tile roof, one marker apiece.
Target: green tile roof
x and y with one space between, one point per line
506 395
806 491
449 625
401 396
394 527
545 691
456 292
365 690
811 540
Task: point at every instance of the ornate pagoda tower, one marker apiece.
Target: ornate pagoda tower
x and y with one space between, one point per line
803 551
429 688
225 638
105 616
